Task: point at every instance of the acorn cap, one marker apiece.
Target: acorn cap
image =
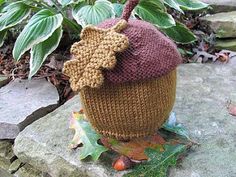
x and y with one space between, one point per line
150 53
118 51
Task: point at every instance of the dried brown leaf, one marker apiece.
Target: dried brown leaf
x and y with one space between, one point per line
134 149
232 109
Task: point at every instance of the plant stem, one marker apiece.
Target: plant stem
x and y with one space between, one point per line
58 8
91 2
72 25
42 4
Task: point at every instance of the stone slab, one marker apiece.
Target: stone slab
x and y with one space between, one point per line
15 165
29 171
202 92
4 163
4 173
6 148
44 145
22 102
222 24
220 2
229 44
6 154
221 5
3 80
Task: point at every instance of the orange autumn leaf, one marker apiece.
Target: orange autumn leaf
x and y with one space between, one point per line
232 109
223 57
135 148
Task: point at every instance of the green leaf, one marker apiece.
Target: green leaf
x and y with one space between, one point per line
173 4
135 148
159 162
154 3
1 2
180 33
171 125
3 35
39 52
40 27
86 14
72 25
65 2
185 52
151 11
191 4
14 14
85 134
118 9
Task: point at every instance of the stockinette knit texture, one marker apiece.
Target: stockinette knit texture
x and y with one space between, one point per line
135 92
150 53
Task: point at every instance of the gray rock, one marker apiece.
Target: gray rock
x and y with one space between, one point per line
229 44
15 165
5 148
23 102
6 154
44 145
202 93
3 80
4 173
5 163
200 105
221 5
222 24
28 171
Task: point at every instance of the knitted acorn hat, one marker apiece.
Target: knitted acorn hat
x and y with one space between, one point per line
125 71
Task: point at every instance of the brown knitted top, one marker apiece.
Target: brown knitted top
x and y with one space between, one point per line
150 53
119 51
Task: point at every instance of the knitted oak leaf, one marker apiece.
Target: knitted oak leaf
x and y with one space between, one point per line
95 51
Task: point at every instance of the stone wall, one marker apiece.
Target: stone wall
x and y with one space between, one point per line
21 104
11 166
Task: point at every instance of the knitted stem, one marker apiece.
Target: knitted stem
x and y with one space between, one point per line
129 7
120 26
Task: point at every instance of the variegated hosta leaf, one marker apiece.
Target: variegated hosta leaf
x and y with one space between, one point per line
86 14
14 14
180 33
118 9
173 4
65 2
185 4
39 52
3 35
153 12
191 4
2 1
40 27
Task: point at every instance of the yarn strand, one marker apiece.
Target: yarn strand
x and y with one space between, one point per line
129 7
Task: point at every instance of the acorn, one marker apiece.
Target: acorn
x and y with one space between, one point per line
122 163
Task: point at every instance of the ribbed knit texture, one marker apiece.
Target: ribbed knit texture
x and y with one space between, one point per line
132 109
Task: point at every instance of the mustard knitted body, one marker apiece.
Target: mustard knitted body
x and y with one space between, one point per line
125 71
130 110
